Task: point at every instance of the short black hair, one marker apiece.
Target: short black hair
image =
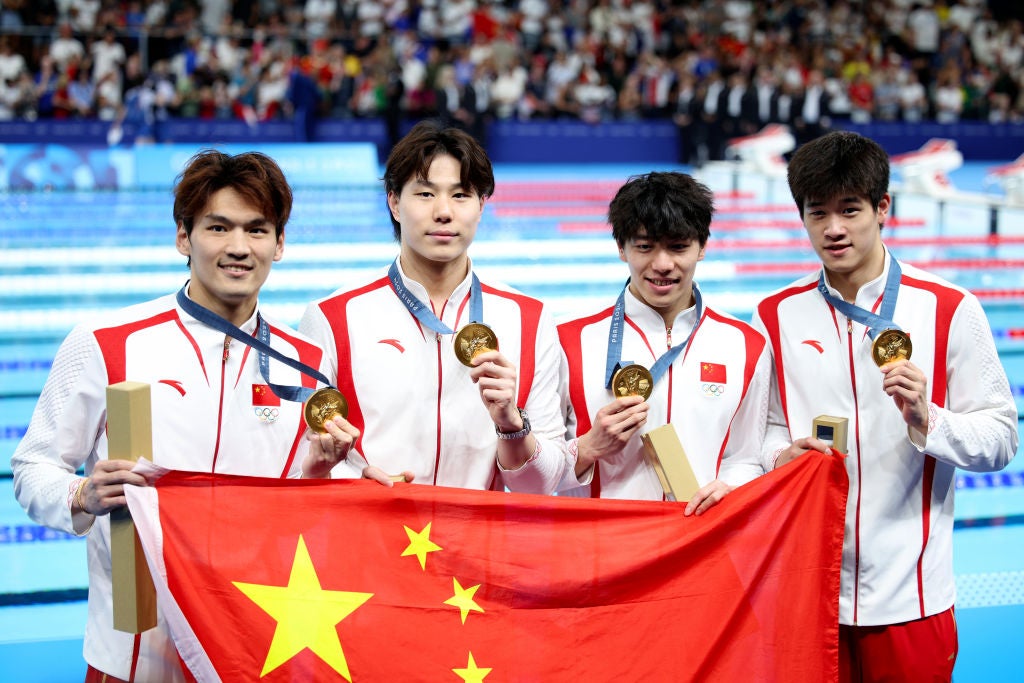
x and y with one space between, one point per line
838 164
663 205
254 175
412 155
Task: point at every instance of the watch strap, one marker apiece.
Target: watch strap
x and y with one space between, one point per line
515 435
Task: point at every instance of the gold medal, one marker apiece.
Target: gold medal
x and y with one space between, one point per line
323 405
633 380
891 345
472 340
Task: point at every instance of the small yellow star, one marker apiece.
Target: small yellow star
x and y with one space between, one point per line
420 544
463 599
307 616
472 673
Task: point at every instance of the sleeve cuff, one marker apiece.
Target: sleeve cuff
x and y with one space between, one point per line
920 440
536 454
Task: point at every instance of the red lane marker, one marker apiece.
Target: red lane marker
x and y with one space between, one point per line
553 211
948 241
552 195
720 225
561 188
537 186
935 264
999 293
584 226
744 208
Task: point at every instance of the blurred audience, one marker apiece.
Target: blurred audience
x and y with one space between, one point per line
716 68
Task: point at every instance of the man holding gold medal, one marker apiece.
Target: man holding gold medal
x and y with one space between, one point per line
662 355
451 379
221 400
908 360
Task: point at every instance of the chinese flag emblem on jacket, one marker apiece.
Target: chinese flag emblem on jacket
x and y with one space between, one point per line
712 372
350 580
263 396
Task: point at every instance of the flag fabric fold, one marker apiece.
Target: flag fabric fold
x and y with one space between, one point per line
267 579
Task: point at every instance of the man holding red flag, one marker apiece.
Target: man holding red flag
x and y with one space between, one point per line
205 353
841 340
709 371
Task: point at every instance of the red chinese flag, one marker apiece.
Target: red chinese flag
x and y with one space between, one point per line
263 396
712 372
290 580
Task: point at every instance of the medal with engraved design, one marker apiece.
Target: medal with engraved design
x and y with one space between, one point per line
891 345
633 380
323 405
472 340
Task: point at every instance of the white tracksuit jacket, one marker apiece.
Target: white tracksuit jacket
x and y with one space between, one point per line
203 419
720 424
897 555
413 401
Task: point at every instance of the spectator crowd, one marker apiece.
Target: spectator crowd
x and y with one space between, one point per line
718 68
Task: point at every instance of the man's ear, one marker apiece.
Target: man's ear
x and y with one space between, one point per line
393 205
181 241
883 209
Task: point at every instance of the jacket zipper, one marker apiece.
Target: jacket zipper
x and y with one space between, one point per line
668 345
220 403
860 478
440 378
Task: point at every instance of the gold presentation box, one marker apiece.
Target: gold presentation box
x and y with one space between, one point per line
130 437
831 430
665 453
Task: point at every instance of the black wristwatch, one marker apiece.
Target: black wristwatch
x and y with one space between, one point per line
515 435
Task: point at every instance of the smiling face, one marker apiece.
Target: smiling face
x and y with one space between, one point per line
438 218
231 249
661 272
845 231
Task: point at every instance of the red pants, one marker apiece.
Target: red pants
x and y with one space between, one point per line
919 651
94 676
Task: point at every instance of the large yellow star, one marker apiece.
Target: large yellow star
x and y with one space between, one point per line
306 615
463 599
420 544
472 673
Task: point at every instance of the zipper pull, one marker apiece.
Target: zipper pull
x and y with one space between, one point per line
849 326
668 337
227 344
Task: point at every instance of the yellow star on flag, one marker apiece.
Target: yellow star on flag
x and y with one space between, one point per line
463 599
420 544
307 615
472 673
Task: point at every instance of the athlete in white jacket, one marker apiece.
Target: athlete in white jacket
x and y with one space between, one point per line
912 421
710 370
212 408
392 342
